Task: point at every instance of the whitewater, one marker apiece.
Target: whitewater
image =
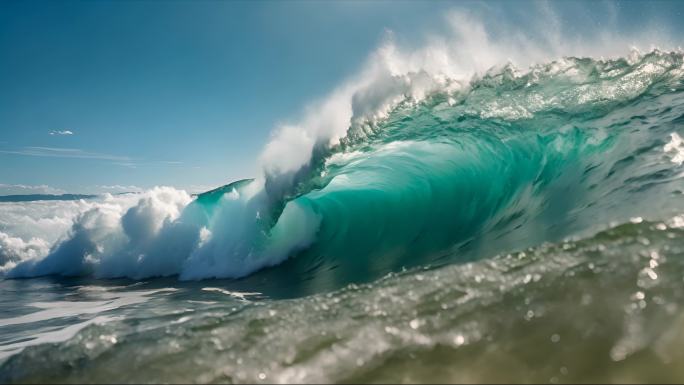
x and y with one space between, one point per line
486 199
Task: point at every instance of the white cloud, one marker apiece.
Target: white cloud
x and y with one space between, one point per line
19 189
62 132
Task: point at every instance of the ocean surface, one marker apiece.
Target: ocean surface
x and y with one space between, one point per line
524 225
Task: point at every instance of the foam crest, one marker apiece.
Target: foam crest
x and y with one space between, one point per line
392 75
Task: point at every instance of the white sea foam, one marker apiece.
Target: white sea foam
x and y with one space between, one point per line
675 147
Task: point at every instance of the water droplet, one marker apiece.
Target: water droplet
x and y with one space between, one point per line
415 323
262 376
618 353
555 338
459 340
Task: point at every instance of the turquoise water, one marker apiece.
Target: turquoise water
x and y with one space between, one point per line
528 223
515 161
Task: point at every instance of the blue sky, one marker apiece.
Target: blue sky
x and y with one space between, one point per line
185 93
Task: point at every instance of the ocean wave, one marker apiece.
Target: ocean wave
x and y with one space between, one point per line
426 157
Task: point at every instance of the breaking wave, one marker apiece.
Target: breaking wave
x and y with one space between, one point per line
468 147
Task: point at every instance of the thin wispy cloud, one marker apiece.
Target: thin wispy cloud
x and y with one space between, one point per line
59 152
9 189
151 163
126 164
63 132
